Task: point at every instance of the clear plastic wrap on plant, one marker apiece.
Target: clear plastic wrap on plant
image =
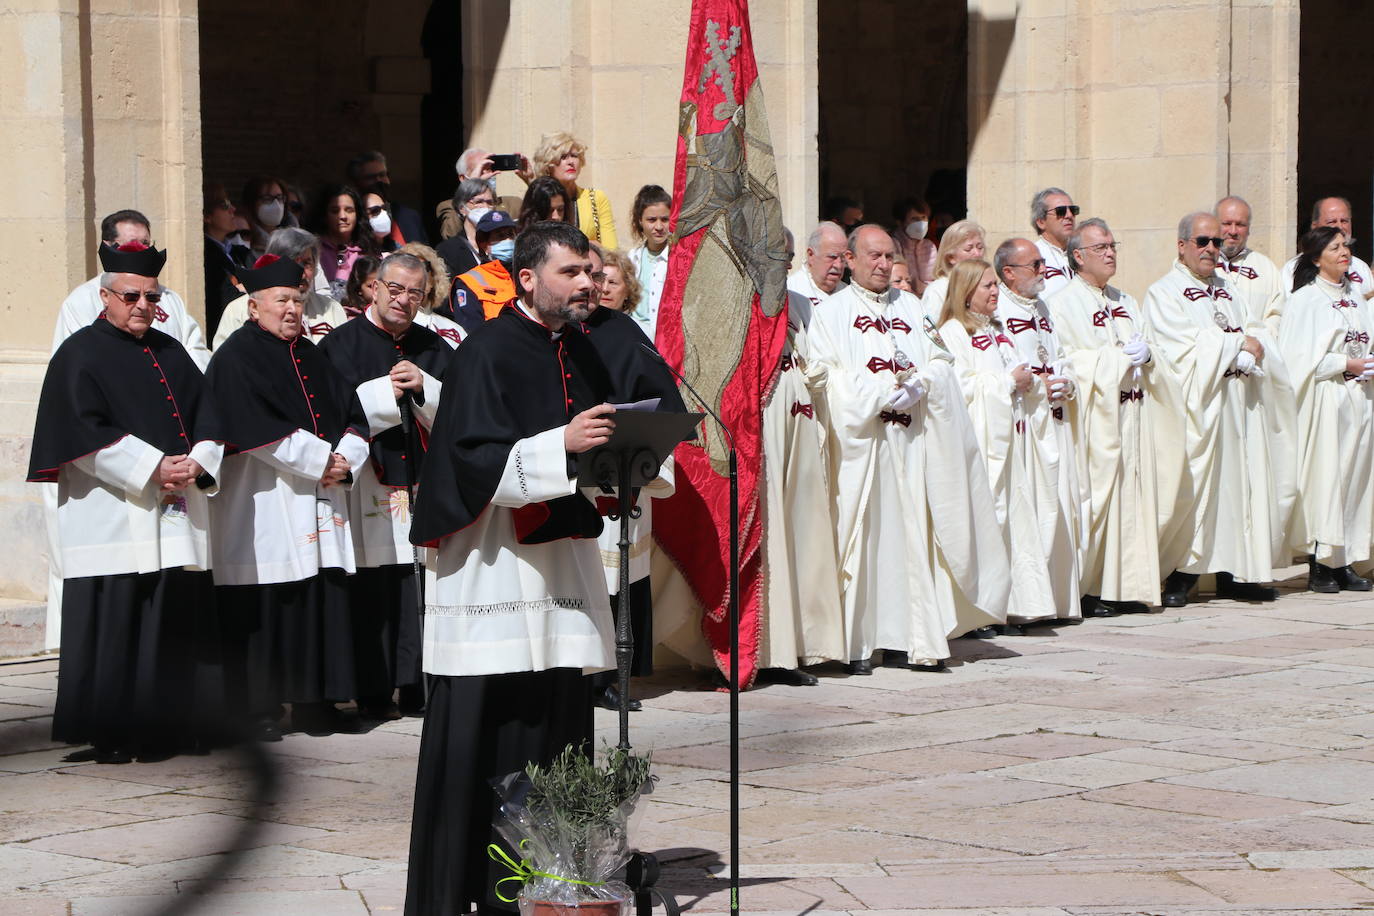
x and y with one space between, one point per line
567 829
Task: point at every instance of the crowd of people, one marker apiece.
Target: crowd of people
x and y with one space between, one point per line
363 487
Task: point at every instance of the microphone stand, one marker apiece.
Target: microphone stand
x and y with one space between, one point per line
405 403
734 628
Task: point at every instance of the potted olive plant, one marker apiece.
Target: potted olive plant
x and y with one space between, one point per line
568 826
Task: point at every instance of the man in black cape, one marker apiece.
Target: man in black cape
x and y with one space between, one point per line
393 365
515 600
638 373
115 426
295 437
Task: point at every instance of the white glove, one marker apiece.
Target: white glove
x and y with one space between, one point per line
907 394
1137 350
1059 388
1245 362
1368 372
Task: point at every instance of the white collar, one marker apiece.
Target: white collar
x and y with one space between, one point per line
1027 304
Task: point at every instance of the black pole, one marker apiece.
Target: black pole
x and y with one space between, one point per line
411 456
734 683
624 635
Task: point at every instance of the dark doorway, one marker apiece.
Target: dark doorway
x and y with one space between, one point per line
1335 114
893 103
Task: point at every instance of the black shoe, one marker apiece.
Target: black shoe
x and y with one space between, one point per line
321 719
84 755
1350 581
113 755
937 666
1228 587
265 728
861 667
1092 606
791 677
892 658
610 699
1128 607
1010 629
1321 579
410 700
380 709
1177 587
982 633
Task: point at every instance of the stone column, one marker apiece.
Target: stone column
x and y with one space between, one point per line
610 72
1141 110
99 110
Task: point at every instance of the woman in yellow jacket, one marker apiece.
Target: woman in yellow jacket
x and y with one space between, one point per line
562 156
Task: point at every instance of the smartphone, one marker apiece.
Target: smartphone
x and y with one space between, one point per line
504 163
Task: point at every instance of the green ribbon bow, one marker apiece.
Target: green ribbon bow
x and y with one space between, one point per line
521 872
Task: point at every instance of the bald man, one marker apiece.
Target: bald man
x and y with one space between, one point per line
820 276
1335 211
1255 278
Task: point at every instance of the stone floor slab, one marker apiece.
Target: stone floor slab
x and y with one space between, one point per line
1315 779
1029 890
1086 772
1233 806
172 838
300 903
1296 886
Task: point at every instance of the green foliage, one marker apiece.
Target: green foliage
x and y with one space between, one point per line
582 794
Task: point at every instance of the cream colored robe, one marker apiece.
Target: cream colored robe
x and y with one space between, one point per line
1130 429
1056 495
1335 505
1258 283
803 619
1241 428
921 555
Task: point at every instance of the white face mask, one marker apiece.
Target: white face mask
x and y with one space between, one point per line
476 213
270 214
381 223
917 228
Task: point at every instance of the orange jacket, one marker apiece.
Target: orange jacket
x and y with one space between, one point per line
492 285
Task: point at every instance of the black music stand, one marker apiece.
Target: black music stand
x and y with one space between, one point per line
630 459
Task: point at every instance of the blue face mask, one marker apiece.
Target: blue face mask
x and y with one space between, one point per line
504 251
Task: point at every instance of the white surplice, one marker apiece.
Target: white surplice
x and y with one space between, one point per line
1335 505
493 606
1241 427
451 331
799 281
802 620
1258 283
322 315
1131 435
641 531
273 521
921 554
1055 495
1058 271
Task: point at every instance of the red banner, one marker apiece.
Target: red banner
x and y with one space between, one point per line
721 318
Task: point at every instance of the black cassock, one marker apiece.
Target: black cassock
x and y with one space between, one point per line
386 623
636 375
140 668
294 639
510 380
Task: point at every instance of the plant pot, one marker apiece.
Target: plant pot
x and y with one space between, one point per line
581 908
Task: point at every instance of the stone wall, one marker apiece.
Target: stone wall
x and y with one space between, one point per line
1143 110
610 72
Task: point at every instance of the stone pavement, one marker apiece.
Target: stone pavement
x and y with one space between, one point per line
1218 759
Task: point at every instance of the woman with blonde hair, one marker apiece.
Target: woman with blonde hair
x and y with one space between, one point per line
562 156
621 289
962 241
439 284
999 389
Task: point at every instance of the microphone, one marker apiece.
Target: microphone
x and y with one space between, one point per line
652 351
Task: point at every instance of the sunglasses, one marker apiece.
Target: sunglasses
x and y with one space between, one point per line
1062 212
131 297
377 210
1033 265
1202 241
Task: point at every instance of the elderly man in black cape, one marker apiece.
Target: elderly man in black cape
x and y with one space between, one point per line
115 432
394 365
295 437
515 598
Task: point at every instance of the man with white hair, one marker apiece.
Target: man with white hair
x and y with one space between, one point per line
1129 425
921 555
820 275
1241 421
1053 214
475 163
1254 277
1335 211
322 314
1043 416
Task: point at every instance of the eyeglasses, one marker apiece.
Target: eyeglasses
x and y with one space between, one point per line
1064 211
1103 247
377 210
131 297
397 291
1202 241
1033 265
272 199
